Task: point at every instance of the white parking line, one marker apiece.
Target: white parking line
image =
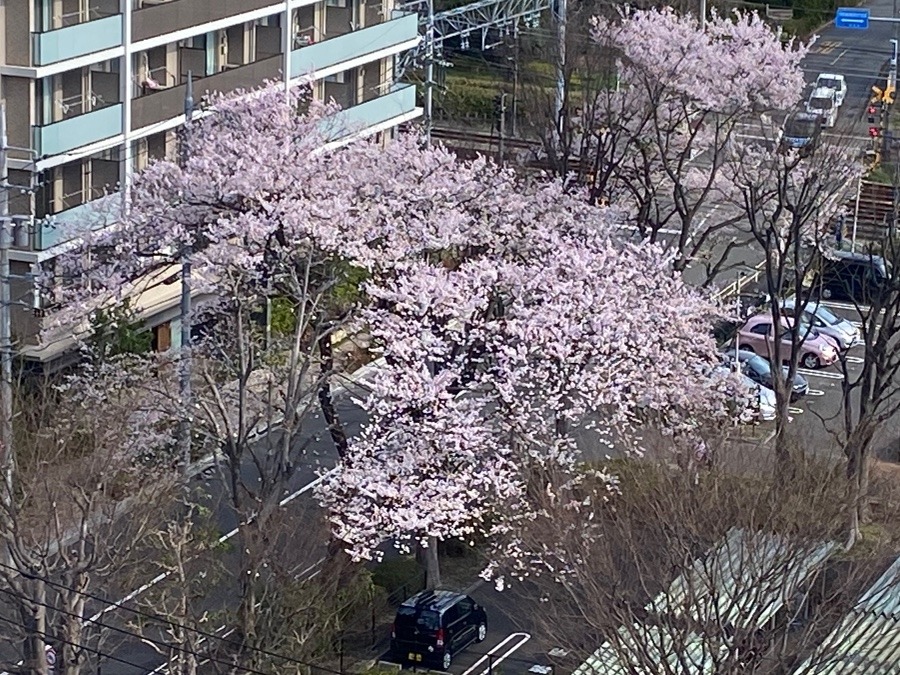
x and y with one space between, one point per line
525 637
854 359
815 392
828 375
849 306
795 411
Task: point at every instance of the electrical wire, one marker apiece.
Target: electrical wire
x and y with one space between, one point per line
155 617
47 638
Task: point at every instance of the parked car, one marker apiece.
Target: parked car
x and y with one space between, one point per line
858 277
433 626
801 133
836 83
757 335
822 103
746 392
759 370
817 315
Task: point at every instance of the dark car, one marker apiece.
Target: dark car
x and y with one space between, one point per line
801 133
433 626
759 370
858 277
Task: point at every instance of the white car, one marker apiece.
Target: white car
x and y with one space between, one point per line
835 82
822 102
744 391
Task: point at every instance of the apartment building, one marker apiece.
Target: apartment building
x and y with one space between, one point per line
95 88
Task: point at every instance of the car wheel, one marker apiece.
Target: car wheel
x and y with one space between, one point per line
810 361
447 660
482 632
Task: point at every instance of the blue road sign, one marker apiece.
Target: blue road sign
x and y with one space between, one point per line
851 17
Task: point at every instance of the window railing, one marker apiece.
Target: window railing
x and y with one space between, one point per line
79 16
78 104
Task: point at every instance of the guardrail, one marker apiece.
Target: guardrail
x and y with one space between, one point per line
745 279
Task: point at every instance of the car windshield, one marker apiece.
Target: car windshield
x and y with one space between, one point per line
823 313
759 365
820 103
829 82
799 128
408 620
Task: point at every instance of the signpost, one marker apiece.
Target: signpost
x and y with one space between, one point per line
852 17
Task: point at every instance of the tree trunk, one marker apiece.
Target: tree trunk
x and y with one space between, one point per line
856 451
432 565
70 658
326 402
251 561
34 619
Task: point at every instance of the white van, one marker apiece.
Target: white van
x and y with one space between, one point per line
822 102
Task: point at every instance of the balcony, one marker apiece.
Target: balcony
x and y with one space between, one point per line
384 110
71 223
168 17
75 132
77 40
320 56
164 104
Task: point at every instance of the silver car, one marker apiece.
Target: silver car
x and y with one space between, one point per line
839 329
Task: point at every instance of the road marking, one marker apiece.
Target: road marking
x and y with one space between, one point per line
845 305
815 392
854 359
838 57
525 637
820 373
225 537
165 666
795 411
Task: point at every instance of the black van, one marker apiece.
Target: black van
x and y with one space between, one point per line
433 626
859 277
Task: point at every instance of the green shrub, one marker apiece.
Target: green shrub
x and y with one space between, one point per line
399 576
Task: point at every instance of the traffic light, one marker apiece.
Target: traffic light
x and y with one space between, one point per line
888 96
874 132
872 112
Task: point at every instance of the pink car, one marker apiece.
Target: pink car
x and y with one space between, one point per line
757 335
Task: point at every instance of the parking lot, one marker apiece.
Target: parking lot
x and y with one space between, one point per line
819 415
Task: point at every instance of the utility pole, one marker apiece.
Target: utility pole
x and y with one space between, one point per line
6 408
184 357
502 111
515 86
560 102
702 17
429 73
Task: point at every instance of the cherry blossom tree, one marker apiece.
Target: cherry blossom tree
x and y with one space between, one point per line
655 137
272 215
498 354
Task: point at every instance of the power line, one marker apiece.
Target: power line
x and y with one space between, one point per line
155 617
93 650
129 633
